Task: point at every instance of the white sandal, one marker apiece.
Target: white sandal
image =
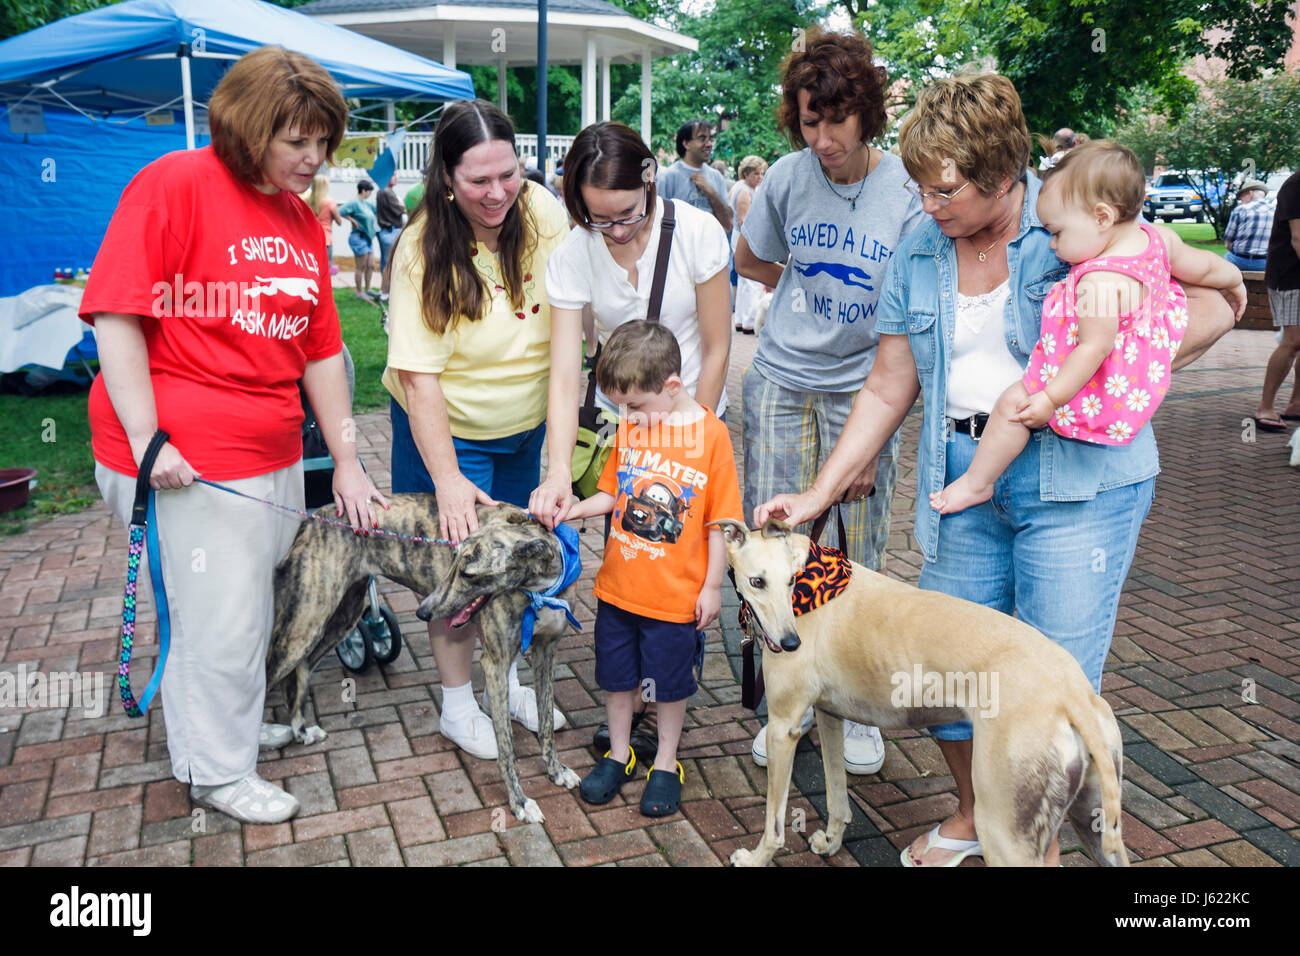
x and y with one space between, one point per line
251 800
935 841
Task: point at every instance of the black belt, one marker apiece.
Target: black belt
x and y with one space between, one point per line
973 426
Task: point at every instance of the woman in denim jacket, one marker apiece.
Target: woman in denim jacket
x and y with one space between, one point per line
959 316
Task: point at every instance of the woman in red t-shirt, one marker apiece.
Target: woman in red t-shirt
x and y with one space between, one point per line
211 298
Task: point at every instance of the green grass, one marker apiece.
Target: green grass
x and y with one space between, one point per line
1198 234
363 332
52 434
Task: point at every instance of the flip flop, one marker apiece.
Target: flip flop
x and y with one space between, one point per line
1267 425
960 848
1290 418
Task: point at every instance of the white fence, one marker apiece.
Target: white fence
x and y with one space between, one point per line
416 147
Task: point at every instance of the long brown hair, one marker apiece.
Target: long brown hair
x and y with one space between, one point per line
452 287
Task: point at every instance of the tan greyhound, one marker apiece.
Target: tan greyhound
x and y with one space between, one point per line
885 653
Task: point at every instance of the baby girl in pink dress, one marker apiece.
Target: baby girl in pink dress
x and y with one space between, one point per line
1111 328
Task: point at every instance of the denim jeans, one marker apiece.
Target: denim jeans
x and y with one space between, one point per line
1060 565
1246 263
508 469
387 239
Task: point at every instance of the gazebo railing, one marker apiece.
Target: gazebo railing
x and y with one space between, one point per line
416 146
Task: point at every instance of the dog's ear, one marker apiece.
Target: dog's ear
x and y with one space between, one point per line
532 549
734 533
773 528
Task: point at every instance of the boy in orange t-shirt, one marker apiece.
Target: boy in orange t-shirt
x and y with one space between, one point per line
671 472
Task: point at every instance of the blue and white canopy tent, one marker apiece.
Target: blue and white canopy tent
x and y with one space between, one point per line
87 101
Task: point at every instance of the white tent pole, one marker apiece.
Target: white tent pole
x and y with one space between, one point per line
189 100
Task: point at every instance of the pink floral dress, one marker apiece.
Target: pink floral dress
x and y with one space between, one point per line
1128 387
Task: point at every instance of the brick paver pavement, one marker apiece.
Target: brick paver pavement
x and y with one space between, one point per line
1204 675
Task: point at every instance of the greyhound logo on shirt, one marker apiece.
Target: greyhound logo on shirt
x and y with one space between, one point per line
849 275
300 286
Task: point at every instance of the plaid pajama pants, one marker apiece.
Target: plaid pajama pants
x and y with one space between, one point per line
788 436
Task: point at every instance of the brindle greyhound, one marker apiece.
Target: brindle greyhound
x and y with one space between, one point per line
1044 743
320 592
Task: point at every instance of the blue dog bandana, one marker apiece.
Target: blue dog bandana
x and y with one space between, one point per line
572 568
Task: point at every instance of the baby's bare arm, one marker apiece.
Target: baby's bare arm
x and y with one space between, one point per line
1098 318
1199 267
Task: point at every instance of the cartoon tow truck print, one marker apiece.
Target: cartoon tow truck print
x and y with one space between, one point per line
655 509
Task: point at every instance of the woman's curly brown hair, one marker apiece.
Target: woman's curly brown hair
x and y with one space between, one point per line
841 80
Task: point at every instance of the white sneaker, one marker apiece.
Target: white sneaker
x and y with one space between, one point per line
864 751
274 736
523 708
474 734
759 750
251 800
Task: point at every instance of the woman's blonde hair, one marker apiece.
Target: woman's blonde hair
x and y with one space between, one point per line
751 164
318 193
970 124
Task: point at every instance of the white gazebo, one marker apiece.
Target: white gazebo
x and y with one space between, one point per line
503 33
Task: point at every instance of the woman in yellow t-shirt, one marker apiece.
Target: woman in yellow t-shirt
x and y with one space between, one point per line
469 360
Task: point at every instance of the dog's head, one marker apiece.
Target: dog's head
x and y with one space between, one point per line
510 551
765 564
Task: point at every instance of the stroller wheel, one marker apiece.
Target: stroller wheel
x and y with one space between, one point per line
356 651
384 633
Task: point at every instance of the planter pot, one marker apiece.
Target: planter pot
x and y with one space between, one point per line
14 483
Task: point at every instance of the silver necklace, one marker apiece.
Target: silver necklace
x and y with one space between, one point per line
851 200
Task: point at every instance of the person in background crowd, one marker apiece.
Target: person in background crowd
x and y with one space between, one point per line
390 214
748 291
1282 277
360 212
1060 144
1249 226
691 179
326 209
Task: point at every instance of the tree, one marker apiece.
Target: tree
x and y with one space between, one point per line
1236 130
1075 62
731 80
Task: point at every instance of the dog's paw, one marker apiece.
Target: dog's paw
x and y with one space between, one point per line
820 844
530 812
310 735
743 857
566 778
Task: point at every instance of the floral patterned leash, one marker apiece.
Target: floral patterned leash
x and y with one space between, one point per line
144 534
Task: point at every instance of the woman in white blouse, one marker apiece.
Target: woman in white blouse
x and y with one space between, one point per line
608 263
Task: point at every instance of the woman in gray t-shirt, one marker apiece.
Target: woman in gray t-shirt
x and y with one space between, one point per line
836 210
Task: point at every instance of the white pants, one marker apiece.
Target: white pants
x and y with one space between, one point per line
219 554
748 294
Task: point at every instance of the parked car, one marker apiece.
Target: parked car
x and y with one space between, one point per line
1172 196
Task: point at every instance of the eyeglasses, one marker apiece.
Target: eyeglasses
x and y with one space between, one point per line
940 198
630 221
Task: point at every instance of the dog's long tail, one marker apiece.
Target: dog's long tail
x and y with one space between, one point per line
1088 727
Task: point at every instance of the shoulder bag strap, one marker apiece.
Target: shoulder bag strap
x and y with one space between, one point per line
661 262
